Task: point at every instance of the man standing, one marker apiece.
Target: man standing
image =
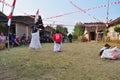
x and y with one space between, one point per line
35 41
57 38
70 37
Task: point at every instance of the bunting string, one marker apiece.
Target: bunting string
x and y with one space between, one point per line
61 24
85 12
69 13
89 9
6 4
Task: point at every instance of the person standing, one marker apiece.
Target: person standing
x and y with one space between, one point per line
35 41
70 37
57 38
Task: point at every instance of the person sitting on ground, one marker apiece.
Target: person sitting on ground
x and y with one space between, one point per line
28 40
110 53
23 39
3 39
106 46
17 41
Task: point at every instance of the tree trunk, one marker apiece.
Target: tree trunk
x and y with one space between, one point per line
118 35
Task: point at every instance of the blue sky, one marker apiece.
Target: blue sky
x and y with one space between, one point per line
50 8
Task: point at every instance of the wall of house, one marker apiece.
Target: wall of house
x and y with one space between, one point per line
87 36
112 34
21 29
29 31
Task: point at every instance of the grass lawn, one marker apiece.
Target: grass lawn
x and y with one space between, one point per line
77 61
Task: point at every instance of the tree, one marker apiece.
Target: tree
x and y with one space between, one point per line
65 30
117 29
105 30
3 28
62 29
78 30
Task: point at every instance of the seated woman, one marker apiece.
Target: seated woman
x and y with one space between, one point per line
110 53
23 39
3 39
17 41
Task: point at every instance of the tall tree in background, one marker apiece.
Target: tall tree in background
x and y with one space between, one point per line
62 29
65 30
78 30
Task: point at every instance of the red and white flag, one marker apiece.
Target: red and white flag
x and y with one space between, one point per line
37 16
11 13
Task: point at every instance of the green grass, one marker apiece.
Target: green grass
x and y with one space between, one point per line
77 61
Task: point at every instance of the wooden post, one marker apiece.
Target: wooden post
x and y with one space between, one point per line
8 37
96 33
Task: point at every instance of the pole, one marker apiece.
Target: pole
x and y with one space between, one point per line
107 20
107 10
3 7
96 33
8 37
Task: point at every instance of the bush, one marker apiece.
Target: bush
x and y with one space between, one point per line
82 39
115 41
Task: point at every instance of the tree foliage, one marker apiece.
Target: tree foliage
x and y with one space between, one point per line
105 30
78 30
62 29
117 29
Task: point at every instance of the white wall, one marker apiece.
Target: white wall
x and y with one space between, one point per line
21 29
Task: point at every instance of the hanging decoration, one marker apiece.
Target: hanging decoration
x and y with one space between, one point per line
69 13
80 9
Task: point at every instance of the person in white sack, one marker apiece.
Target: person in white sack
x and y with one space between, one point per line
35 41
57 38
110 53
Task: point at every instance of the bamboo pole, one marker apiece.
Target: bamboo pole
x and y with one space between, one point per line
8 37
